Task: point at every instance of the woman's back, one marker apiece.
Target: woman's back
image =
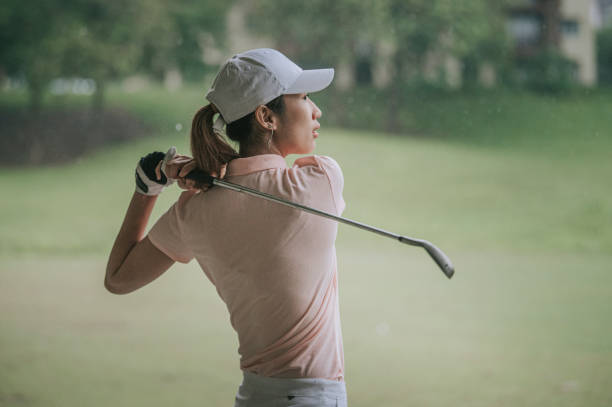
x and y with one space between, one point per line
273 266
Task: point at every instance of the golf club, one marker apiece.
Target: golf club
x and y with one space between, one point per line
436 254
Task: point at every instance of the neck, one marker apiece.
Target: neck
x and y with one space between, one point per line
258 150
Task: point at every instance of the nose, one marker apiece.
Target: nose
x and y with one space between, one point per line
316 112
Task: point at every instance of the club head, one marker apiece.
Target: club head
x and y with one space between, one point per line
440 258
436 254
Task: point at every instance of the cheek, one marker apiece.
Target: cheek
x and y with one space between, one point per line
297 133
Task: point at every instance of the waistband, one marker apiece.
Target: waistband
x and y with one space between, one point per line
296 386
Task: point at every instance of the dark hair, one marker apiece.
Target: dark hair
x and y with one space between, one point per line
210 150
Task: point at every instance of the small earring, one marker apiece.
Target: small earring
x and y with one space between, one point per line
269 139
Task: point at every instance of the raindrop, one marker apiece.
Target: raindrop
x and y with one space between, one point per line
570 386
383 329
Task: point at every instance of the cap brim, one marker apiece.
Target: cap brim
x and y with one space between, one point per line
312 80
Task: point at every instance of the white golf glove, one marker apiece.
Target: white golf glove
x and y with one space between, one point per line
146 179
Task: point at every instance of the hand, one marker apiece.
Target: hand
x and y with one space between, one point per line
189 185
174 165
180 166
150 173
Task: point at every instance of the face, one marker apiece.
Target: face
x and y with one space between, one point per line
296 130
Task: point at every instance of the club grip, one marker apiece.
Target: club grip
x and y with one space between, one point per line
201 177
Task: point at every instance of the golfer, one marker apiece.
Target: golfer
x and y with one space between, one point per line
273 266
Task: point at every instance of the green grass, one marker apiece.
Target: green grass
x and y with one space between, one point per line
525 321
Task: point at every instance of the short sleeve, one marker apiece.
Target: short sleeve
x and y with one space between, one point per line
166 235
336 180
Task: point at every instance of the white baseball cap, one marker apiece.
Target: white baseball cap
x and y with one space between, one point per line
256 77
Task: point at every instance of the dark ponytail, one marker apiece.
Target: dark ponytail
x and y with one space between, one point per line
211 151
208 148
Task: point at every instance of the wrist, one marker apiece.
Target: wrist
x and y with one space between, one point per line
143 197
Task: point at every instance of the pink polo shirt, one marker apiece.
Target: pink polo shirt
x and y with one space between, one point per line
274 266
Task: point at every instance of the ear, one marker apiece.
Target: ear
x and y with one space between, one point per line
265 117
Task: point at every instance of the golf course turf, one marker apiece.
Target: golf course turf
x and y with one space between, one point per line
524 322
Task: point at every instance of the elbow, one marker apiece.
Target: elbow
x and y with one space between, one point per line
114 287
110 287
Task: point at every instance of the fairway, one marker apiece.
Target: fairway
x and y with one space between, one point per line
524 322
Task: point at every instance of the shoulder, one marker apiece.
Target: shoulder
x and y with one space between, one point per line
324 165
330 171
322 161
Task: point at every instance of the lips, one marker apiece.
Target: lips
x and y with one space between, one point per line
315 133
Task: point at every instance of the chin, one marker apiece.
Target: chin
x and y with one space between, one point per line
304 149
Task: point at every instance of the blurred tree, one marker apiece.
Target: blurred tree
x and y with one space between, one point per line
548 71
103 39
334 32
467 30
604 56
318 31
178 42
491 45
48 38
32 43
329 32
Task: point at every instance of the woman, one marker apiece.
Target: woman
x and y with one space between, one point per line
273 266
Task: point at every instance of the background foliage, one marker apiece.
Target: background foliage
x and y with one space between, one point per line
604 56
512 182
104 40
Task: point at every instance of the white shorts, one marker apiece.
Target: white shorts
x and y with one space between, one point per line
260 391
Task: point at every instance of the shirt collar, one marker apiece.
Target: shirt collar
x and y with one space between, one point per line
247 165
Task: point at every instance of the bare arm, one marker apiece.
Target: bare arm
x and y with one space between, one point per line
134 261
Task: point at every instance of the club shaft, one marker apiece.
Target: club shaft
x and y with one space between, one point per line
436 254
249 191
